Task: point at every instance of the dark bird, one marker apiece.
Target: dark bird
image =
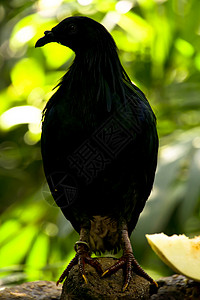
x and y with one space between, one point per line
99 146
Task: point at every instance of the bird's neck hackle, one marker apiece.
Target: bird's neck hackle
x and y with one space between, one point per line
98 72
97 69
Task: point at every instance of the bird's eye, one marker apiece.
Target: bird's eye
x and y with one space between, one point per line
72 28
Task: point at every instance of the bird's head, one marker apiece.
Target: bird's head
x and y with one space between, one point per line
78 33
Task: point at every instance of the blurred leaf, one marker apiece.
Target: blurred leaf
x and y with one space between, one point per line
20 115
175 186
13 252
8 230
62 55
192 187
26 75
38 257
142 30
184 47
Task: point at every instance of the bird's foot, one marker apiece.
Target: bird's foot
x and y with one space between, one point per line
81 258
128 262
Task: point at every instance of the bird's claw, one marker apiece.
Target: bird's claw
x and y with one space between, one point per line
65 273
81 258
128 262
124 287
104 273
155 283
85 278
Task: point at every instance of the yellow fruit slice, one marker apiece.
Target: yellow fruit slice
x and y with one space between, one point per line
179 252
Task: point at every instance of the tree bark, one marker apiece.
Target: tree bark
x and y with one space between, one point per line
40 290
108 288
176 287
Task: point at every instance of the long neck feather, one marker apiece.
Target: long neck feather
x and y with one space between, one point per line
95 76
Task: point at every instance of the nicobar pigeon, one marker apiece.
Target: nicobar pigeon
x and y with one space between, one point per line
99 147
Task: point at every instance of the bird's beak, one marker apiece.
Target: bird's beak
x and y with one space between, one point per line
47 38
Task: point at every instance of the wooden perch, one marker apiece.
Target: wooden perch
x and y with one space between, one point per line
107 288
40 290
176 287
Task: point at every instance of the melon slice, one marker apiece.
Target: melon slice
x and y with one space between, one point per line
179 252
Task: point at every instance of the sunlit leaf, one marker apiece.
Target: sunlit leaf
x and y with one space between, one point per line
169 187
20 115
123 6
33 212
62 55
7 97
137 27
17 247
26 75
22 36
197 61
8 230
184 47
27 28
39 252
192 187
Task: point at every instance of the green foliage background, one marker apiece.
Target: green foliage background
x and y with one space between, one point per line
159 46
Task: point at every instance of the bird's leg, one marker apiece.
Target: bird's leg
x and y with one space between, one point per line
82 257
127 262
